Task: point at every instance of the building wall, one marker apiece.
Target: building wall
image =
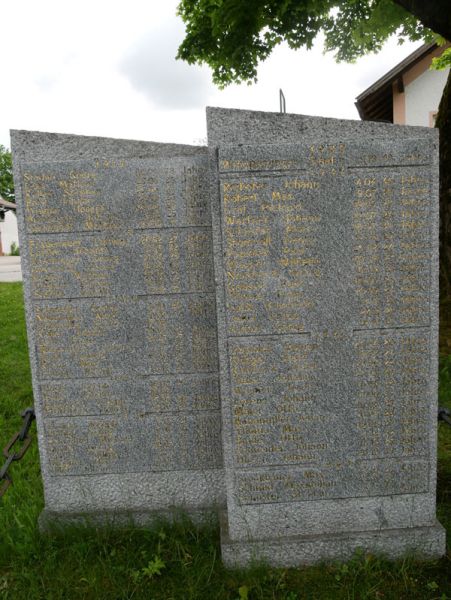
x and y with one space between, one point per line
423 88
8 232
422 97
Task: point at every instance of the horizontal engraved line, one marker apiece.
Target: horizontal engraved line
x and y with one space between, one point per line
302 382
332 497
95 232
145 470
266 173
400 327
312 465
353 462
123 296
157 159
134 413
390 166
265 335
128 380
55 379
288 468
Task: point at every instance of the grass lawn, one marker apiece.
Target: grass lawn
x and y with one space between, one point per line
178 561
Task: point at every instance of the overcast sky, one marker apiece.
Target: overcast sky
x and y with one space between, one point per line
98 67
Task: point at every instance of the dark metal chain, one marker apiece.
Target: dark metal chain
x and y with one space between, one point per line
28 417
21 436
444 415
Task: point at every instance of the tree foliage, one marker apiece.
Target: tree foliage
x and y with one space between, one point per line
233 36
6 175
443 61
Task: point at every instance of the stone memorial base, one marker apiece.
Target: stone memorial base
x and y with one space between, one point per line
51 520
421 542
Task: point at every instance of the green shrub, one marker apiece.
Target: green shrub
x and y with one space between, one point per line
15 250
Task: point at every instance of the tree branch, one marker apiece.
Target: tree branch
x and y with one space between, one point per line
434 14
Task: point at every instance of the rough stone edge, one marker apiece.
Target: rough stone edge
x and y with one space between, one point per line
290 126
29 146
434 309
221 320
419 542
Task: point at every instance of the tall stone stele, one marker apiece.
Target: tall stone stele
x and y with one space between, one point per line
120 304
322 309
325 240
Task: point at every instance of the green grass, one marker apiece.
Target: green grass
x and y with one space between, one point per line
445 326
171 561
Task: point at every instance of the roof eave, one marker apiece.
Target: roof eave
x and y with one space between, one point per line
397 71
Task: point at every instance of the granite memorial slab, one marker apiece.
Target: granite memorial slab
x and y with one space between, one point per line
120 304
325 238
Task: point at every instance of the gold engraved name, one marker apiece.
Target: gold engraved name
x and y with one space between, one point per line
243 186
257 165
300 184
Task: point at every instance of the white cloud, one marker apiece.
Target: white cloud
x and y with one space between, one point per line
104 68
152 69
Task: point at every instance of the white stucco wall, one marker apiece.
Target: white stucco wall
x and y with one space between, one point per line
422 96
8 231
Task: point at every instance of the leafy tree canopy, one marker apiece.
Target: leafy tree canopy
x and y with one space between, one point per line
6 175
233 36
443 61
